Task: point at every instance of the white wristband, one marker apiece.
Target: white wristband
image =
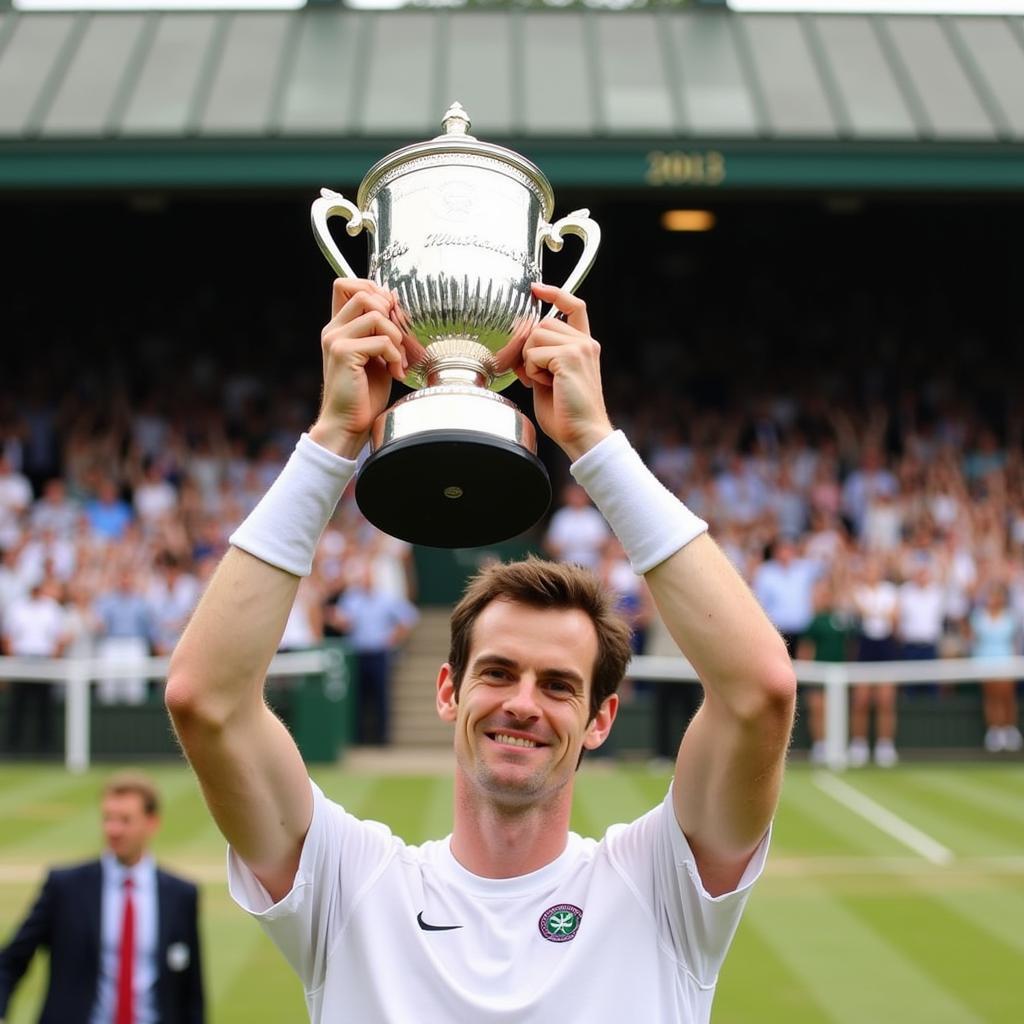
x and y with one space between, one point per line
650 520
284 528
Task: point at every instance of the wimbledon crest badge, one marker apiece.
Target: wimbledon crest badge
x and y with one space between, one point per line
560 922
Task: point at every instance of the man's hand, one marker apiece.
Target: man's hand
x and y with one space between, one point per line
561 364
362 354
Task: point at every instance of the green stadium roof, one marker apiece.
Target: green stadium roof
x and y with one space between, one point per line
692 98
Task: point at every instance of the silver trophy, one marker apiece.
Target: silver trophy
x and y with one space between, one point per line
456 232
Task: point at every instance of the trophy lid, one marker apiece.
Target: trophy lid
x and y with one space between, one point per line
454 143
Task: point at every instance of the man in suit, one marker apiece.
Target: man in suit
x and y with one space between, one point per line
122 934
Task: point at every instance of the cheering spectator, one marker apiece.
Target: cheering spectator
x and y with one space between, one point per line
865 484
921 613
55 510
15 498
784 585
876 602
108 514
577 532
154 497
13 582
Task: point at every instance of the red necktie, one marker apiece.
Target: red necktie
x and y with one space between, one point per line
125 1010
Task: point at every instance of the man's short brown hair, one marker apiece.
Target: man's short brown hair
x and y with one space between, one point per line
541 584
135 782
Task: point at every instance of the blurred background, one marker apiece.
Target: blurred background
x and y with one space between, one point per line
808 299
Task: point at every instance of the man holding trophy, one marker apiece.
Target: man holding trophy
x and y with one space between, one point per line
512 917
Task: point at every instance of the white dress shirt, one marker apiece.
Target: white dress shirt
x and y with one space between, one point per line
143 876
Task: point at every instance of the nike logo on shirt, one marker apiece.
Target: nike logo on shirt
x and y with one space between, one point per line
435 927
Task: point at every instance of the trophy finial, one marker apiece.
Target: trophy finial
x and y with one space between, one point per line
456 121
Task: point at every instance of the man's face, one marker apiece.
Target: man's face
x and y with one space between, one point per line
521 719
127 828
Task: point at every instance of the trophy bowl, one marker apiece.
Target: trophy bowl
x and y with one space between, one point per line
456 230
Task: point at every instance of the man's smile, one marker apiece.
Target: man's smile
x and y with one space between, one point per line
514 739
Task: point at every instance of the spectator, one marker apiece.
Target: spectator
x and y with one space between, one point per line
171 594
376 623
632 597
865 484
47 552
108 514
13 582
33 627
392 565
305 626
126 628
787 503
15 499
883 522
921 614
742 492
826 639
671 457
876 601
83 624
154 497
55 510
995 633
784 585
577 532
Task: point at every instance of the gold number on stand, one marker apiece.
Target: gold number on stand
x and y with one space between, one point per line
678 167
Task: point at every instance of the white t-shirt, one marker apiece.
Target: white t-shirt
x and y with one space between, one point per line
611 930
877 605
577 535
34 627
921 613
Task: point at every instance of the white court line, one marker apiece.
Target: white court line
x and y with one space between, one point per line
885 820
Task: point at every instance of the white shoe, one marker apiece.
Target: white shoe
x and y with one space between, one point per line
994 739
857 755
1012 739
818 754
885 754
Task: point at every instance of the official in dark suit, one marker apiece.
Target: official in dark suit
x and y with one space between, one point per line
122 934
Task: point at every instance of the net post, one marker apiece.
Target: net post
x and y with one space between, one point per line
836 716
76 720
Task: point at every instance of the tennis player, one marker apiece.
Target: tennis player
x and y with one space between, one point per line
511 918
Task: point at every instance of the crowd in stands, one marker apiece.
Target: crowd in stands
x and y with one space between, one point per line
902 531
113 516
865 536
845 422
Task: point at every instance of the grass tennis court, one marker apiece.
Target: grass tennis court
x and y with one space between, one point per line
905 907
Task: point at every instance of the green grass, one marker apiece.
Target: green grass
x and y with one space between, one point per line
847 926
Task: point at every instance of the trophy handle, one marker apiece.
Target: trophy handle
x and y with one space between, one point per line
333 204
576 223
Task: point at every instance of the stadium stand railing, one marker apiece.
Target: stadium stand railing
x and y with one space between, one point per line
79 674
838 677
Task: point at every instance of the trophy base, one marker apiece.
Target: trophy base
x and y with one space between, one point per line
453 489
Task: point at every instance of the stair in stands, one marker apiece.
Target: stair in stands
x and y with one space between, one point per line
414 721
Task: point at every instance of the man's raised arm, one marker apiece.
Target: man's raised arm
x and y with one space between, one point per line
250 771
729 769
